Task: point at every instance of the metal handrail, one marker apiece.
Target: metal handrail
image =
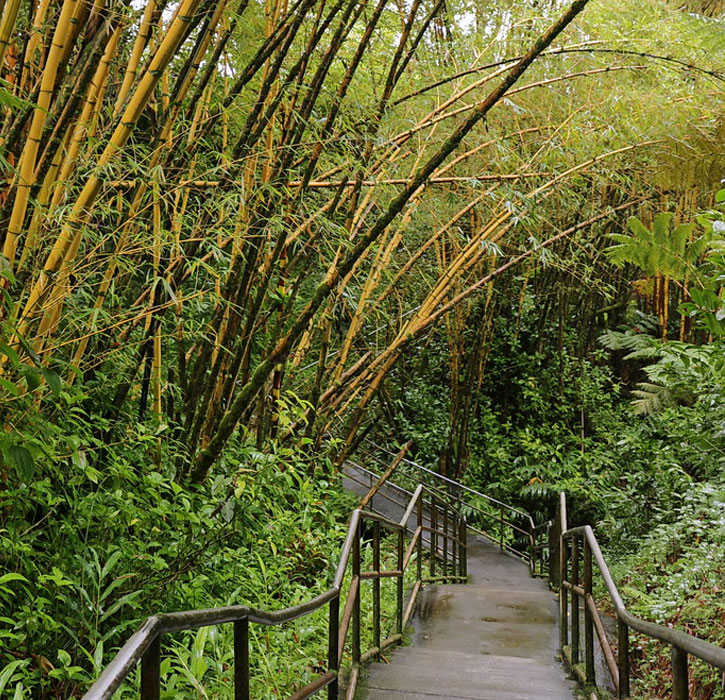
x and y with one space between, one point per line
144 645
682 644
457 484
536 543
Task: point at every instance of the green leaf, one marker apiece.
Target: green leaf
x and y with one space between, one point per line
720 196
32 378
9 670
9 387
53 380
24 463
6 350
64 657
7 98
127 599
79 460
705 299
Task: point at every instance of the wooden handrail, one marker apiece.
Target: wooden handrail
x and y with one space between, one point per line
682 644
144 645
532 534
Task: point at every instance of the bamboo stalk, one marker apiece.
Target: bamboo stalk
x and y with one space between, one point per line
384 362
139 44
433 119
34 46
7 25
63 247
282 347
26 168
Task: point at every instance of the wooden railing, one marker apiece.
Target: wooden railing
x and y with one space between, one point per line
512 528
578 554
429 523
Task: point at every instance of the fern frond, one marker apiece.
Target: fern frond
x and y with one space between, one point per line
651 398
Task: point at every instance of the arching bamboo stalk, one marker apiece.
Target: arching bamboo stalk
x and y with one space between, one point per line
64 247
283 346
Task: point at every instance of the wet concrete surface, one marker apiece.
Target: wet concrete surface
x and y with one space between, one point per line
494 638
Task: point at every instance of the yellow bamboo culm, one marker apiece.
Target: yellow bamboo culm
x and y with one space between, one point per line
41 209
34 45
108 277
56 186
7 25
128 226
136 52
156 365
87 112
63 249
26 177
77 24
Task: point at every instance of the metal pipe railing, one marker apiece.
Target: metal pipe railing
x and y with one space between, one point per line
580 542
536 536
543 538
446 543
453 482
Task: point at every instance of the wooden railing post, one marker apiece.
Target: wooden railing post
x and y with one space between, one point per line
462 539
532 550
399 580
623 660
554 545
333 649
419 545
445 539
464 547
680 676
241 659
151 671
588 620
356 604
433 534
563 594
376 584
574 601
454 542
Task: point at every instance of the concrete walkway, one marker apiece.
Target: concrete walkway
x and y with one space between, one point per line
492 639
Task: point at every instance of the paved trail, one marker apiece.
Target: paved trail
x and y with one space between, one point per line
493 639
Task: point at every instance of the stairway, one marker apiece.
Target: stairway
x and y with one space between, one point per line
492 639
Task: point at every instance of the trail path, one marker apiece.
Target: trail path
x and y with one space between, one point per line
493 639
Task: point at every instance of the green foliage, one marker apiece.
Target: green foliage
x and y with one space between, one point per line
91 553
98 523
677 577
660 250
681 373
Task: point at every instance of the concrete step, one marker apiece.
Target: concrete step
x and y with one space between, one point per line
457 675
495 638
429 661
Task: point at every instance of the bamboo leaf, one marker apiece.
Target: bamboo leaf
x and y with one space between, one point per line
53 380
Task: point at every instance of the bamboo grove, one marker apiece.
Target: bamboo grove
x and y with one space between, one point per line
236 217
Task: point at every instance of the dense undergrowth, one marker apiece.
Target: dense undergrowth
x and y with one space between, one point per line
92 553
